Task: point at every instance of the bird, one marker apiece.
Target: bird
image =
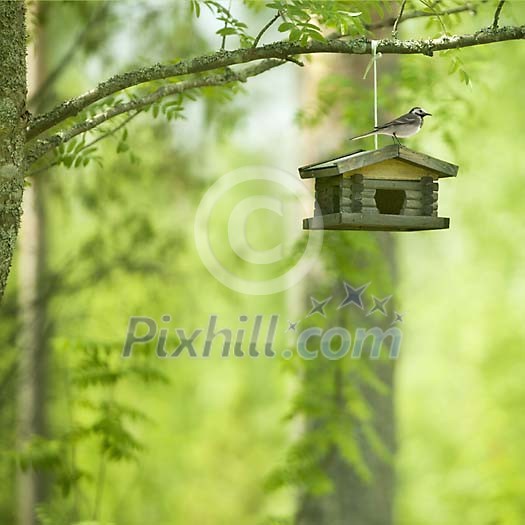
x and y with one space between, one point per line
404 126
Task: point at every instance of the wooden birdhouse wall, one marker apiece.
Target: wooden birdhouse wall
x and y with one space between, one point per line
357 194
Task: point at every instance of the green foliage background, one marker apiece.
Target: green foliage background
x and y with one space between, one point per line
197 441
461 391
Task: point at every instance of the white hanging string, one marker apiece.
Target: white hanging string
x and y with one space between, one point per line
374 60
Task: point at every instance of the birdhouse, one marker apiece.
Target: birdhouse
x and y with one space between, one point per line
389 189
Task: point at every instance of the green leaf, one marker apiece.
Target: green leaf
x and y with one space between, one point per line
285 26
122 147
315 35
350 13
295 34
195 7
311 26
464 76
225 31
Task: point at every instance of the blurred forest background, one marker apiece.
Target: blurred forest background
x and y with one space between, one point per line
220 441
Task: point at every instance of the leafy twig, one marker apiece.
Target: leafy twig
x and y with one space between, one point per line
430 5
111 131
278 50
388 22
396 22
497 13
223 43
265 28
89 144
44 146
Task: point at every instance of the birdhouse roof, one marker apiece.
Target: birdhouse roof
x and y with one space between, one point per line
398 162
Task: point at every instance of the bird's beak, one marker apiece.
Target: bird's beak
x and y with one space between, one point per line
428 114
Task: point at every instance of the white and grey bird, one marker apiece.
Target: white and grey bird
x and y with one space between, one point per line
402 127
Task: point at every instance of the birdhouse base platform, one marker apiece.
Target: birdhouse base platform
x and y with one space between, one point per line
374 222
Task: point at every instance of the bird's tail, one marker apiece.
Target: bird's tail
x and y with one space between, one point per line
369 134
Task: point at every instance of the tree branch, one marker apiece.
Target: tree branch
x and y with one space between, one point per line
265 28
66 59
396 22
496 14
44 146
294 60
223 41
279 50
388 22
105 135
430 6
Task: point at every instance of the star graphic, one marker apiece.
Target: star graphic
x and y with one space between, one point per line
353 295
292 327
318 306
398 318
379 305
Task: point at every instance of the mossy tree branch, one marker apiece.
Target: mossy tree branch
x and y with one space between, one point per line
279 50
44 146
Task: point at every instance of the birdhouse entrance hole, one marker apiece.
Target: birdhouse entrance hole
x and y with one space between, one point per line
389 189
390 201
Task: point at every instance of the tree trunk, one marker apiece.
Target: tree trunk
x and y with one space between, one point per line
32 308
353 500
12 128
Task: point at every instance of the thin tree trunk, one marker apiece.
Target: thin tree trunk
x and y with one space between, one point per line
353 501
12 128
32 308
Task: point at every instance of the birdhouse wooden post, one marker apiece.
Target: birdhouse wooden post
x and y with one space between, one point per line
389 189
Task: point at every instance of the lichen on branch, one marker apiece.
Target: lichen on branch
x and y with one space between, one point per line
283 50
